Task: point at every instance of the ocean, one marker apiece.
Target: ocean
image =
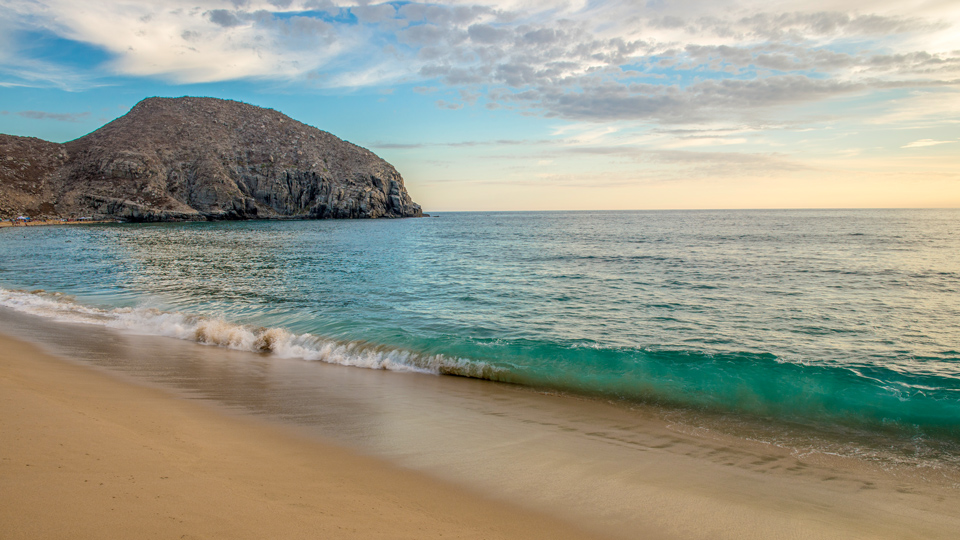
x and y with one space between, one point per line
831 330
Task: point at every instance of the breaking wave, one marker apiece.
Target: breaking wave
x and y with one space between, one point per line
919 402
218 332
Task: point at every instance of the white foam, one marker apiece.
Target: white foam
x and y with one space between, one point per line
221 333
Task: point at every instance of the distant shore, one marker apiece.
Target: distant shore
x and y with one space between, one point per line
47 222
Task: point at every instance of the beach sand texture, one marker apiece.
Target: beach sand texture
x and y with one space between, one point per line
84 455
89 454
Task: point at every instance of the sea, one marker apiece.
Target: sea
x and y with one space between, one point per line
833 331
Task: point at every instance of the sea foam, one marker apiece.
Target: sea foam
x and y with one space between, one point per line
761 385
221 333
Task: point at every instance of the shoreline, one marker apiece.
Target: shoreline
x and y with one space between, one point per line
50 222
535 462
53 222
88 455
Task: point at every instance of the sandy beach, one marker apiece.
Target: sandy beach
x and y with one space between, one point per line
202 442
85 455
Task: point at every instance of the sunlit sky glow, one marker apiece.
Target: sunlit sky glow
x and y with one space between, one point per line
536 105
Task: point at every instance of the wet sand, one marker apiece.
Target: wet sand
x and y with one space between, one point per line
85 455
612 470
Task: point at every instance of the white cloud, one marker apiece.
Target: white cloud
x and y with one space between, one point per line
592 61
925 142
704 141
188 42
921 108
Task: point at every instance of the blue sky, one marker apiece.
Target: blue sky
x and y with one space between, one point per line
539 105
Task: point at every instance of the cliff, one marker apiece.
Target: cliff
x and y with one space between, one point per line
172 159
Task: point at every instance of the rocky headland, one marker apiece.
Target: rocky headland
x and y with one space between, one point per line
186 159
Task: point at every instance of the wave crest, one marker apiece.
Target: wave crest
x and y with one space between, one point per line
221 333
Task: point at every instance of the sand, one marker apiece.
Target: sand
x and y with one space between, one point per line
84 454
87 450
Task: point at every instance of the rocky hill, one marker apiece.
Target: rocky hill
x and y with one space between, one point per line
172 159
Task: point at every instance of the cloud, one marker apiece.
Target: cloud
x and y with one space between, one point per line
486 34
826 23
373 14
921 107
60 117
704 141
591 61
397 146
925 142
568 69
444 15
683 164
185 42
497 142
699 102
224 18
447 105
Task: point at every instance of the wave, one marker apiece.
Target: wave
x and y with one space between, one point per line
219 332
921 401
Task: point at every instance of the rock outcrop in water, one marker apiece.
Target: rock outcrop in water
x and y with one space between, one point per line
173 159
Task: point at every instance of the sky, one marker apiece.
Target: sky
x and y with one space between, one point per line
537 105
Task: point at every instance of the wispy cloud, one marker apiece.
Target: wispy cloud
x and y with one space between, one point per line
463 144
925 142
43 115
447 105
688 142
60 117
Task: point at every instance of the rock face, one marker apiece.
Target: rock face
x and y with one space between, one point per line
173 159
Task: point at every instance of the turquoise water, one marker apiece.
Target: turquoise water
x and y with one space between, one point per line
830 319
